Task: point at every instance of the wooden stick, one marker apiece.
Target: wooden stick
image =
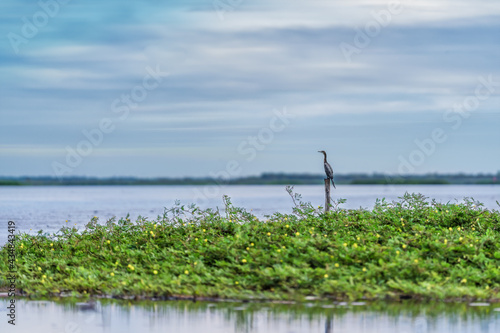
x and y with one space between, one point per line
327 195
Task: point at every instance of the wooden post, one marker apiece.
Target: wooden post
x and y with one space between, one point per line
327 195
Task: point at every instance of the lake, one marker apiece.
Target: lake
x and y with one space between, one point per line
48 208
35 208
121 316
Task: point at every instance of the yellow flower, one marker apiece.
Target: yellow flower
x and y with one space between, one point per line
325 235
286 218
204 230
404 246
39 268
446 241
287 226
186 272
206 240
195 263
124 283
44 276
248 248
251 244
345 244
473 228
112 274
337 265
131 267
284 247
447 211
355 245
155 272
196 239
416 261
278 250
450 228
51 244
402 219
297 233
397 252
243 260
269 234
236 282
458 228
364 269
326 275
464 281
108 242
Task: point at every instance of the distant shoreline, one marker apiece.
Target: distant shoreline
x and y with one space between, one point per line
264 179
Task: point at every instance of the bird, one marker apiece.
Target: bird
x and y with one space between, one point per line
328 169
86 306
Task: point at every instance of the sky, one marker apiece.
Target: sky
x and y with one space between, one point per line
233 88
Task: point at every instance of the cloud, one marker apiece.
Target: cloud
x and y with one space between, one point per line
226 76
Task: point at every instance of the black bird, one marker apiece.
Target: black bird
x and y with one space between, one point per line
328 169
90 305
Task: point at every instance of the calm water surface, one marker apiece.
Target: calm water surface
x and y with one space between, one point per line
225 317
48 207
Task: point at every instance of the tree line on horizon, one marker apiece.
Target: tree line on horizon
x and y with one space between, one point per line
265 179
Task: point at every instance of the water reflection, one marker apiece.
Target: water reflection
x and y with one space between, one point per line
105 315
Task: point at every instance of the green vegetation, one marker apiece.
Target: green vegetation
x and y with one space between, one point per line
9 182
412 247
268 179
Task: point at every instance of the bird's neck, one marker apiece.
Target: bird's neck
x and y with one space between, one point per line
325 156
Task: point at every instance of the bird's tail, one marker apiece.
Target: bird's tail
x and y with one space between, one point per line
333 183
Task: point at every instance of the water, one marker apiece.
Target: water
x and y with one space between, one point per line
48 207
226 317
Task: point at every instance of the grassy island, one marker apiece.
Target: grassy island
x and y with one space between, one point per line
411 248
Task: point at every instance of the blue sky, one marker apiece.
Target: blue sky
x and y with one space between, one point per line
371 98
